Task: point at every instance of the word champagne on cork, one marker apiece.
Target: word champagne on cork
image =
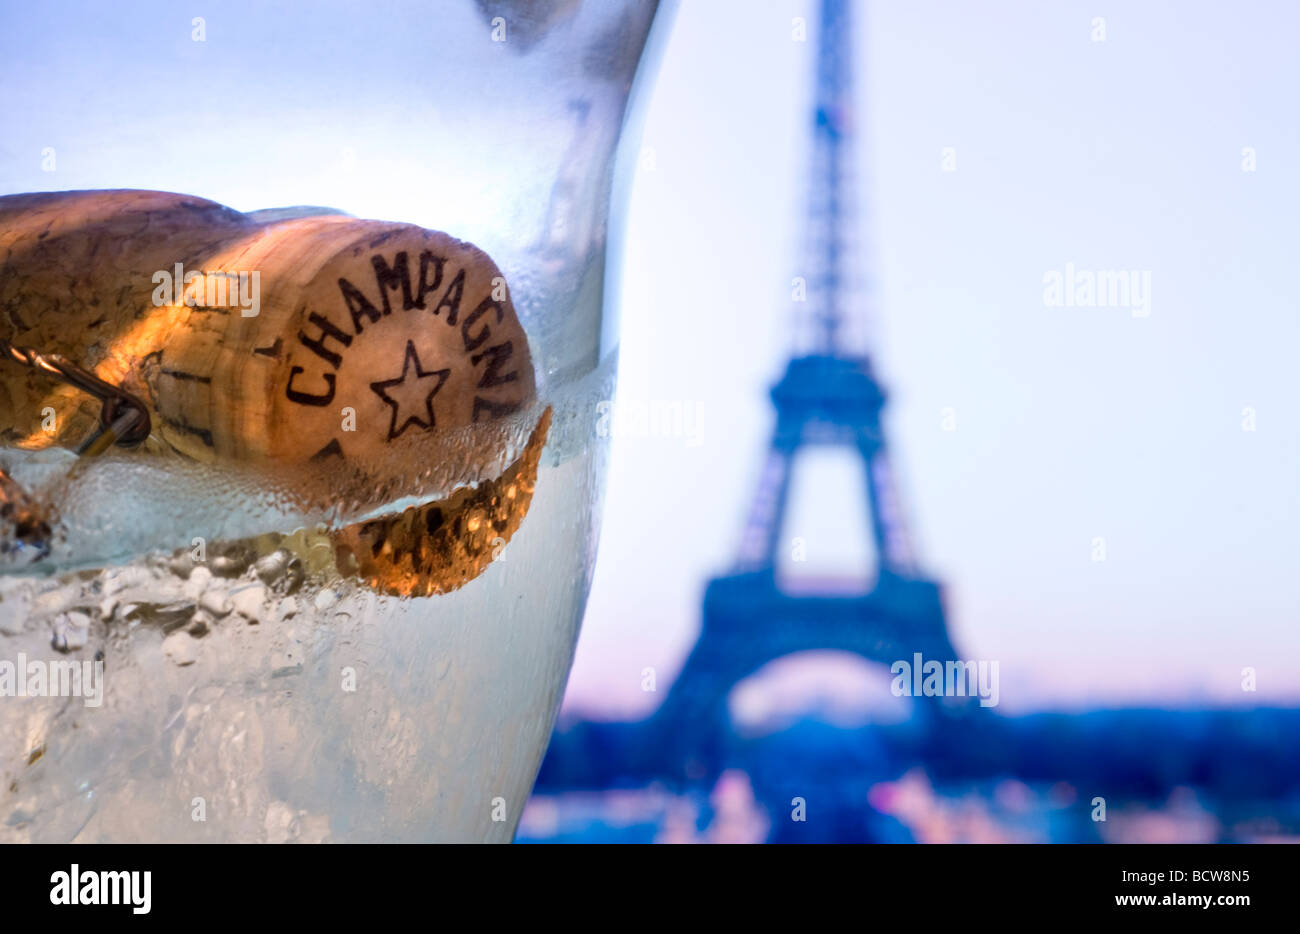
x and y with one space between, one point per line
364 348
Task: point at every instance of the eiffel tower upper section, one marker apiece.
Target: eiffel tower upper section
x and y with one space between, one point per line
829 263
829 393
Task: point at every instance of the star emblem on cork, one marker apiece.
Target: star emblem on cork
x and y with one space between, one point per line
411 393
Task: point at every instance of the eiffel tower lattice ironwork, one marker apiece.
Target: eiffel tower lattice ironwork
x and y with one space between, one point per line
826 396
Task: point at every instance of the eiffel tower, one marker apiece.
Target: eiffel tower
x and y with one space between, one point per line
827 396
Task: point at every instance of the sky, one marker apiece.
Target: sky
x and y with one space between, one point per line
1003 143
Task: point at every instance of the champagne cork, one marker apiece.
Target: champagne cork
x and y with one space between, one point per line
366 350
